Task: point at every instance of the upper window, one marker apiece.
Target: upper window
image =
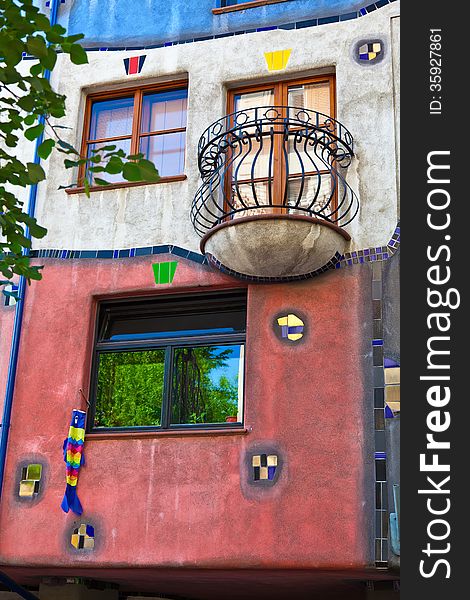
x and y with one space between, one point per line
150 121
279 158
170 362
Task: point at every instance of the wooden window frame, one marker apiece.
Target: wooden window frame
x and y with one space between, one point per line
245 5
135 136
280 98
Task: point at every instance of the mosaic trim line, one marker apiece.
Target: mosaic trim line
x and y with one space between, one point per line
380 457
362 12
123 253
218 265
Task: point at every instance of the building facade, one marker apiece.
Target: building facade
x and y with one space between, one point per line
231 331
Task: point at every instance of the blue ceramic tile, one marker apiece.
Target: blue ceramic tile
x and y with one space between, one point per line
160 249
348 16
287 26
143 251
310 23
88 253
180 252
377 342
327 20
105 254
371 8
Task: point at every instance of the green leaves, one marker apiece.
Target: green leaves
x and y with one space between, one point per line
34 132
36 46
27 104
45 148
35 172
78 55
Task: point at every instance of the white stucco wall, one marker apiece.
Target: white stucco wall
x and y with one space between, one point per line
159 214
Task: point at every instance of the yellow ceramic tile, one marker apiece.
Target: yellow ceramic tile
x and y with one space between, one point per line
294 321
272 460
392 393
82 529
394 406
277 60
294 336
376 47
26 489
392 375
74 540
256 461
372 55
263 472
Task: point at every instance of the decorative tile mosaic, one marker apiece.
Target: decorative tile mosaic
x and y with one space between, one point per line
362 12
30 480
370 51
83 537
134 64
386 377
264 466
331 264
291 327
381 509
277 60
124 253
164 271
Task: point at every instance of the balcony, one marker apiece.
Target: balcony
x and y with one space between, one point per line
274 201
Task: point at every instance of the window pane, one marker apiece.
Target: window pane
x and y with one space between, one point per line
164 110
207 384
315 96
130 389
304 157
254 99
324 201
166 151
253 159
244 196
120 145
111 118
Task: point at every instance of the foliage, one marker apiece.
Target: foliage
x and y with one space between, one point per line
30 109
131 385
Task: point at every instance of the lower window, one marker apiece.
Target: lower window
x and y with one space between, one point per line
170 362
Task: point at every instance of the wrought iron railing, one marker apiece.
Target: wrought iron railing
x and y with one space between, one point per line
274 159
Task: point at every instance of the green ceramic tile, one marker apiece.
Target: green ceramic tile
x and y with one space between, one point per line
34 472
164 272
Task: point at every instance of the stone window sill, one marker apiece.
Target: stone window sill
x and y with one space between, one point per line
124 184
132 435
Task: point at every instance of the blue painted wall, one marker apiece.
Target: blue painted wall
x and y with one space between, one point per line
148 22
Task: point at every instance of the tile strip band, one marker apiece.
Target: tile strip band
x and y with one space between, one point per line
362 12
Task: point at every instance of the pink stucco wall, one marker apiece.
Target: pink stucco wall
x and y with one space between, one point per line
185 500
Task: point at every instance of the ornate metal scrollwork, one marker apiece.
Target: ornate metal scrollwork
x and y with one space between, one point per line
278 159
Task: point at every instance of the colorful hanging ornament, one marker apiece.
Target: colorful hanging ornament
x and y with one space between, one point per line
74 459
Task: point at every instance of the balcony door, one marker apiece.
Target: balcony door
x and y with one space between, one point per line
275 165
